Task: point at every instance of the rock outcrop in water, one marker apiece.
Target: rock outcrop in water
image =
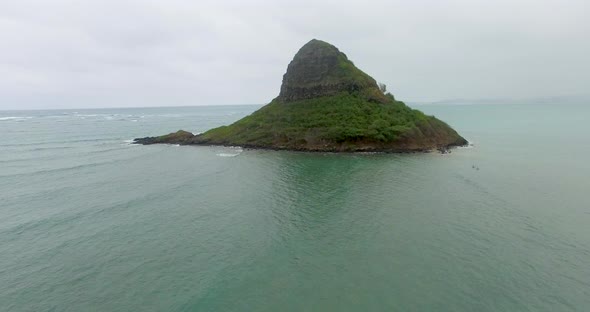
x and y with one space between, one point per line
327 104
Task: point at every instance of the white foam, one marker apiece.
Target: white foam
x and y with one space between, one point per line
129 143
15 118
233 152
469 145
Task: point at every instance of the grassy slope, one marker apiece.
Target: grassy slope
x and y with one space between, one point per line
341 122
348 73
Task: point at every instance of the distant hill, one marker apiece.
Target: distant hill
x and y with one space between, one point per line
547 100
327 104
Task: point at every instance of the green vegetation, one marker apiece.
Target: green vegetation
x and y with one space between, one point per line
346 71
339 122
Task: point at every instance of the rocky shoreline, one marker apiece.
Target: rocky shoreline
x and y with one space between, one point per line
186 138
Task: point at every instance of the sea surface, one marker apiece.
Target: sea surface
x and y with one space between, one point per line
90 222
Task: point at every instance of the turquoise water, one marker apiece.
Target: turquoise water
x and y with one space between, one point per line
89 222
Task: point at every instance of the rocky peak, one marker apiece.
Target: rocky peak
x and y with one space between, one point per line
320 69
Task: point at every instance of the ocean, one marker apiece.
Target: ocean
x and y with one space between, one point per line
91 222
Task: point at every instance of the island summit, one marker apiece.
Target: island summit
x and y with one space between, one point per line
327 104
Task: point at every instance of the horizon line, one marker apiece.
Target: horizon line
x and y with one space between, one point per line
456 101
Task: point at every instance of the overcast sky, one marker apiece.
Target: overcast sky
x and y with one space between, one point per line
115 53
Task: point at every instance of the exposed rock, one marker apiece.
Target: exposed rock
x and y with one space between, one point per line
320 69
178 137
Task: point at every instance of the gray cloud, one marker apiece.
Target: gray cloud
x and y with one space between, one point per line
108 53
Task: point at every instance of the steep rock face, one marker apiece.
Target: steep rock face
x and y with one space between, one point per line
327 104
320 69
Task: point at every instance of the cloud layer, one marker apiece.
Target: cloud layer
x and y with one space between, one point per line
108 53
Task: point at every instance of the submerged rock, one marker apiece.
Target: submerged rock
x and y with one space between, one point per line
327 104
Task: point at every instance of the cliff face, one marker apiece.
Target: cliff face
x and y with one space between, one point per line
327 104
320 69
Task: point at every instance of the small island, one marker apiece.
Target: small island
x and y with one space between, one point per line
327 104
